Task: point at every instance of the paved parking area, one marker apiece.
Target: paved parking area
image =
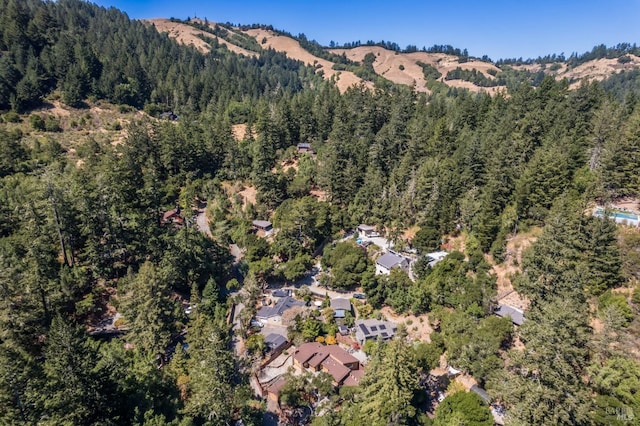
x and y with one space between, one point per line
380 242
277 367
273 328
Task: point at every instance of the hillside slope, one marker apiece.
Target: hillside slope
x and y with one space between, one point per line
292 48
404 68
189 35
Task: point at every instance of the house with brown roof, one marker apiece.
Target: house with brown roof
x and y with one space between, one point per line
332 359
172 216
273 391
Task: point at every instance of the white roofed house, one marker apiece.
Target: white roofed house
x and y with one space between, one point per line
435 257
367 230
389 261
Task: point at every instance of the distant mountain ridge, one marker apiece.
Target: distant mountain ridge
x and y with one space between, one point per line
423 70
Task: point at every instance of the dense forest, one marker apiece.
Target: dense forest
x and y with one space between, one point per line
82 233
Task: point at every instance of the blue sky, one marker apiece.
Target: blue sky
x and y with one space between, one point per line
499 29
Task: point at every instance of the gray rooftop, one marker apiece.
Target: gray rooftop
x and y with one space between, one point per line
517 316
279 308
274 341
373 328
344 304
261 223
281 293
390 260
481 393
363 227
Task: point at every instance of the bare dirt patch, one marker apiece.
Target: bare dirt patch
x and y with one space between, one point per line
286 165
403 68
319 194
268 39
248 195
467 381
457 243
58 109
505 271
462 84
240 132
632 204
410 233
418 327
189 35
598 69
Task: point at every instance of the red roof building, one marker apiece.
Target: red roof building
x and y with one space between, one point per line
332 359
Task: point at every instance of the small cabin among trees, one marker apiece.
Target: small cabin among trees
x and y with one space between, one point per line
389 261
367 230
304 147
262 225
173 216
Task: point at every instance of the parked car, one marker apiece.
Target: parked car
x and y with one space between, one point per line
360 296
256 323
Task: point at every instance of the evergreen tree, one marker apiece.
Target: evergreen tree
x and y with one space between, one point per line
72 392
149 310
389 386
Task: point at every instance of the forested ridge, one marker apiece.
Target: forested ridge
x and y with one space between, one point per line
83 232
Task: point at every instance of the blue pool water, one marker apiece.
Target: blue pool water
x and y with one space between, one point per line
623 215
618 215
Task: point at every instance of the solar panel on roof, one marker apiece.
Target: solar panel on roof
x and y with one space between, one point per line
382 327
384 334
364 329
374 328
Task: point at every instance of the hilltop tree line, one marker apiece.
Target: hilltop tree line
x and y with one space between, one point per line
82 51
81 233
598 52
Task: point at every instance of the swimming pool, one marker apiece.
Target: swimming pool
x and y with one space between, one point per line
618 216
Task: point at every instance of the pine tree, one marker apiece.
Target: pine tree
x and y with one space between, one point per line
389 386
72 391
149 310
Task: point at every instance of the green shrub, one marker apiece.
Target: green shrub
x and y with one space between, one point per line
618 303
153 109
11 117
123 109
52 124
37 122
